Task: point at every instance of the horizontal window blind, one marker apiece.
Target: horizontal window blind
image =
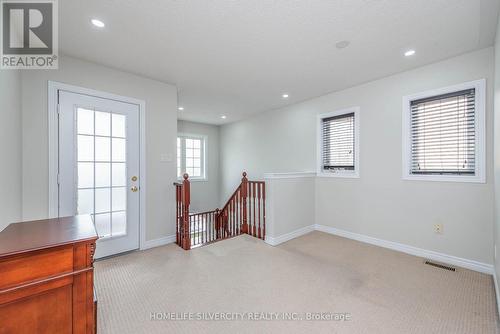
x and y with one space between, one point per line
443 134
338 142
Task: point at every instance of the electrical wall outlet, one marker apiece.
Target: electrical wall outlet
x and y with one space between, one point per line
438 228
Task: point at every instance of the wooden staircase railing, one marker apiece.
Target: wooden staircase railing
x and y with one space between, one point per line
244 212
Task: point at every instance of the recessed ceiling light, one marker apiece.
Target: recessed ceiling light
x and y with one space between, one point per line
342 44
285 96
223 117
409 53
181 108
97 23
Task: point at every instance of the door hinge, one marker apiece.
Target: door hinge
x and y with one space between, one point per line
58 179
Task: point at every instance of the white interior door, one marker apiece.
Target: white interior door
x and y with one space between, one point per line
99 167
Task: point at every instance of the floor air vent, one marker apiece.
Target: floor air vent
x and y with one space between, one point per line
439 265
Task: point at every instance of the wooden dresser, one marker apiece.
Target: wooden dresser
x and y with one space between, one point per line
47 276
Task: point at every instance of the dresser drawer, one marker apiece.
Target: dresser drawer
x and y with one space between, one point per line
20 269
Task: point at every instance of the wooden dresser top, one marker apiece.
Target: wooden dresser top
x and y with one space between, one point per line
40 234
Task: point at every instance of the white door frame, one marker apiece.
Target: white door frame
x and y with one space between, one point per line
53 110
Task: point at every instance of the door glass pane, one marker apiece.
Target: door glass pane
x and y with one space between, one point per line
119 175
118 126
85 148
85 175
119 148
102 200
119 199
103 224
85 201
102 174
102 149
119 223
102 123
102 184
85 121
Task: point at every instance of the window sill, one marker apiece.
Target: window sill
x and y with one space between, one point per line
194 179
445 178
346 175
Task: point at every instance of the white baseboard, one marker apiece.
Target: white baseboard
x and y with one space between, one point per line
440 257
273 241
159 242
424 253
497 293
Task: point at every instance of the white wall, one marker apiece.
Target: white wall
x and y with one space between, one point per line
290 205
378 204
205 194
10 147
161 131
496 149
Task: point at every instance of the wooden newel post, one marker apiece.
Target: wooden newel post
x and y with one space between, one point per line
244 196
217 223
186 198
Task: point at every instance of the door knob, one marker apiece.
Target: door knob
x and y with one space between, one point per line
134 189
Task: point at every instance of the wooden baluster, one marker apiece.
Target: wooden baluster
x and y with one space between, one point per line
254 232
234 217
238 212
192 226
209 224
186 236
226 222
252 213
249 204
241 213
231 220
249 231
244 195
228 225
263 211
259 193
214 231
230 217
216 226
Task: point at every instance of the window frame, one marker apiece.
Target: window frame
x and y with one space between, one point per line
203 163
319 144
479 128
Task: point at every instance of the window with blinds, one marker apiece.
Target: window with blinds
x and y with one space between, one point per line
338 143
443 136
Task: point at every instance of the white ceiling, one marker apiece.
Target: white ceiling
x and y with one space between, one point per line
237 58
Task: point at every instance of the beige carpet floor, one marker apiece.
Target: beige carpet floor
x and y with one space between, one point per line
382 291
